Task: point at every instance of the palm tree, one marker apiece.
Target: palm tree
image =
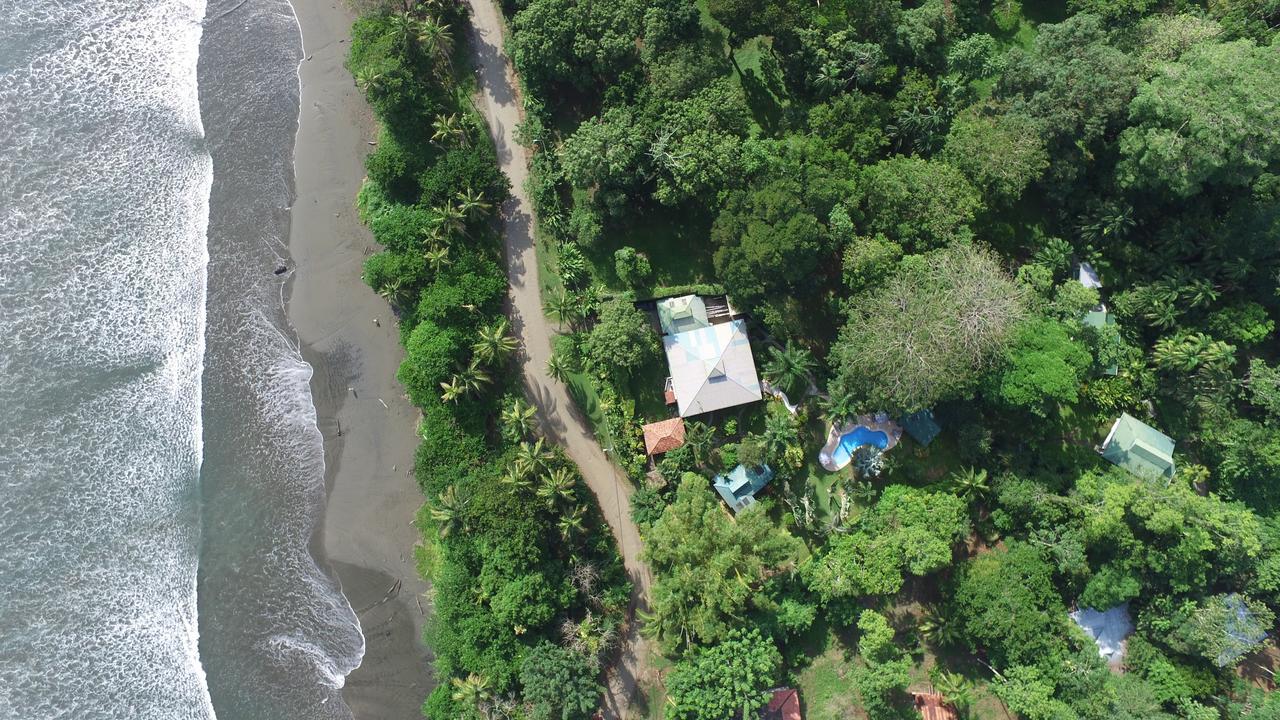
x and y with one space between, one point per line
447 510
571 524
437 256
474 378
393 291
840 405
449 220
556 485
954 687
370 83
556 368
472 203
532 456
436 40
472 690
938 630
789 367
448 129
453 389
699 437
779 434
970 483
403 29
564 308
494 344
515 476
520 419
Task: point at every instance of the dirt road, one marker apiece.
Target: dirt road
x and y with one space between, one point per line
562 420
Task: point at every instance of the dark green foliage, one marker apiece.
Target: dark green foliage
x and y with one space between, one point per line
622 340
462 168
727 679
918 204
1009 606
764 244
560 684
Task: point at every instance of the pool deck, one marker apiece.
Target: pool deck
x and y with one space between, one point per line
879 422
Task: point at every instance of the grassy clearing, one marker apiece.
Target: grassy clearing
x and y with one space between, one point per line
675 241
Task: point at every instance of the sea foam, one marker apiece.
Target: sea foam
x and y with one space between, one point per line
104 186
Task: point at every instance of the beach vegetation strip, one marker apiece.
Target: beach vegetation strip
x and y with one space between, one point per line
528 590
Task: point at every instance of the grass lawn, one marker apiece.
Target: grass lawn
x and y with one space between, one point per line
826 686
676 241
645 387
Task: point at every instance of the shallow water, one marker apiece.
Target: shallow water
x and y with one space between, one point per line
277 636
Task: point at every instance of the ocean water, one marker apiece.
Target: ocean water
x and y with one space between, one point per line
161 475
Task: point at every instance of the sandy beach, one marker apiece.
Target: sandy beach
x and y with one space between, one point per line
368 425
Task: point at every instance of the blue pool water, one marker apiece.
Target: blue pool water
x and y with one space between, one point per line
851 440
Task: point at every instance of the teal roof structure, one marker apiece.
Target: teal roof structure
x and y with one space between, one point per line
1139 448
740 486
682 314
921 426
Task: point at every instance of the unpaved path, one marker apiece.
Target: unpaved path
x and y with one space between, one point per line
500 103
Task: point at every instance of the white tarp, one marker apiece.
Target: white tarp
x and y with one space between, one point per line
1108 628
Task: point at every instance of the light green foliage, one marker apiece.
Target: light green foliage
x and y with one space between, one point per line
559 684
727 679
1112 10
632 267
1221 628
558 42
697 146
605 150
1180 541
1247 323
887 670
974 57
837 62
1001 152
1044 365
927 332
919 204
706 563
1204 119
869 260
432 354
622 340
1264 386
908 531
1166 37
1026 691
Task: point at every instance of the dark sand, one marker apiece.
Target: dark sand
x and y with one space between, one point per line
367 536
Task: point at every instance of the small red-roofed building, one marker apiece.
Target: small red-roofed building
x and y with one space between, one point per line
784 705
663 436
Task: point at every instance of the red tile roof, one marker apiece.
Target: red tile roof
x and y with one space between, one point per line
934 707
785 705
663 436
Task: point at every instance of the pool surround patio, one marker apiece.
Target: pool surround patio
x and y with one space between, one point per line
880 422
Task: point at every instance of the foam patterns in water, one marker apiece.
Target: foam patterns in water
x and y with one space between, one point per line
104 184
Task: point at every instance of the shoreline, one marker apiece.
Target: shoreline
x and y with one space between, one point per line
366 535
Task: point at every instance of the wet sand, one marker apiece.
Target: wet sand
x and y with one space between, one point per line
367 537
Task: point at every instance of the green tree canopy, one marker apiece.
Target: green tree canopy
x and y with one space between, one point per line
920 204
1044 364
622 339
909 530
1009 606
559 684
706 563
727 679
1206 118
1000 152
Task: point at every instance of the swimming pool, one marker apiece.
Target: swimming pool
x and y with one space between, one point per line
842 453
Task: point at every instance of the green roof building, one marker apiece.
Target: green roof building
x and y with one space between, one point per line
682 314
1139 448
921 426
740 486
